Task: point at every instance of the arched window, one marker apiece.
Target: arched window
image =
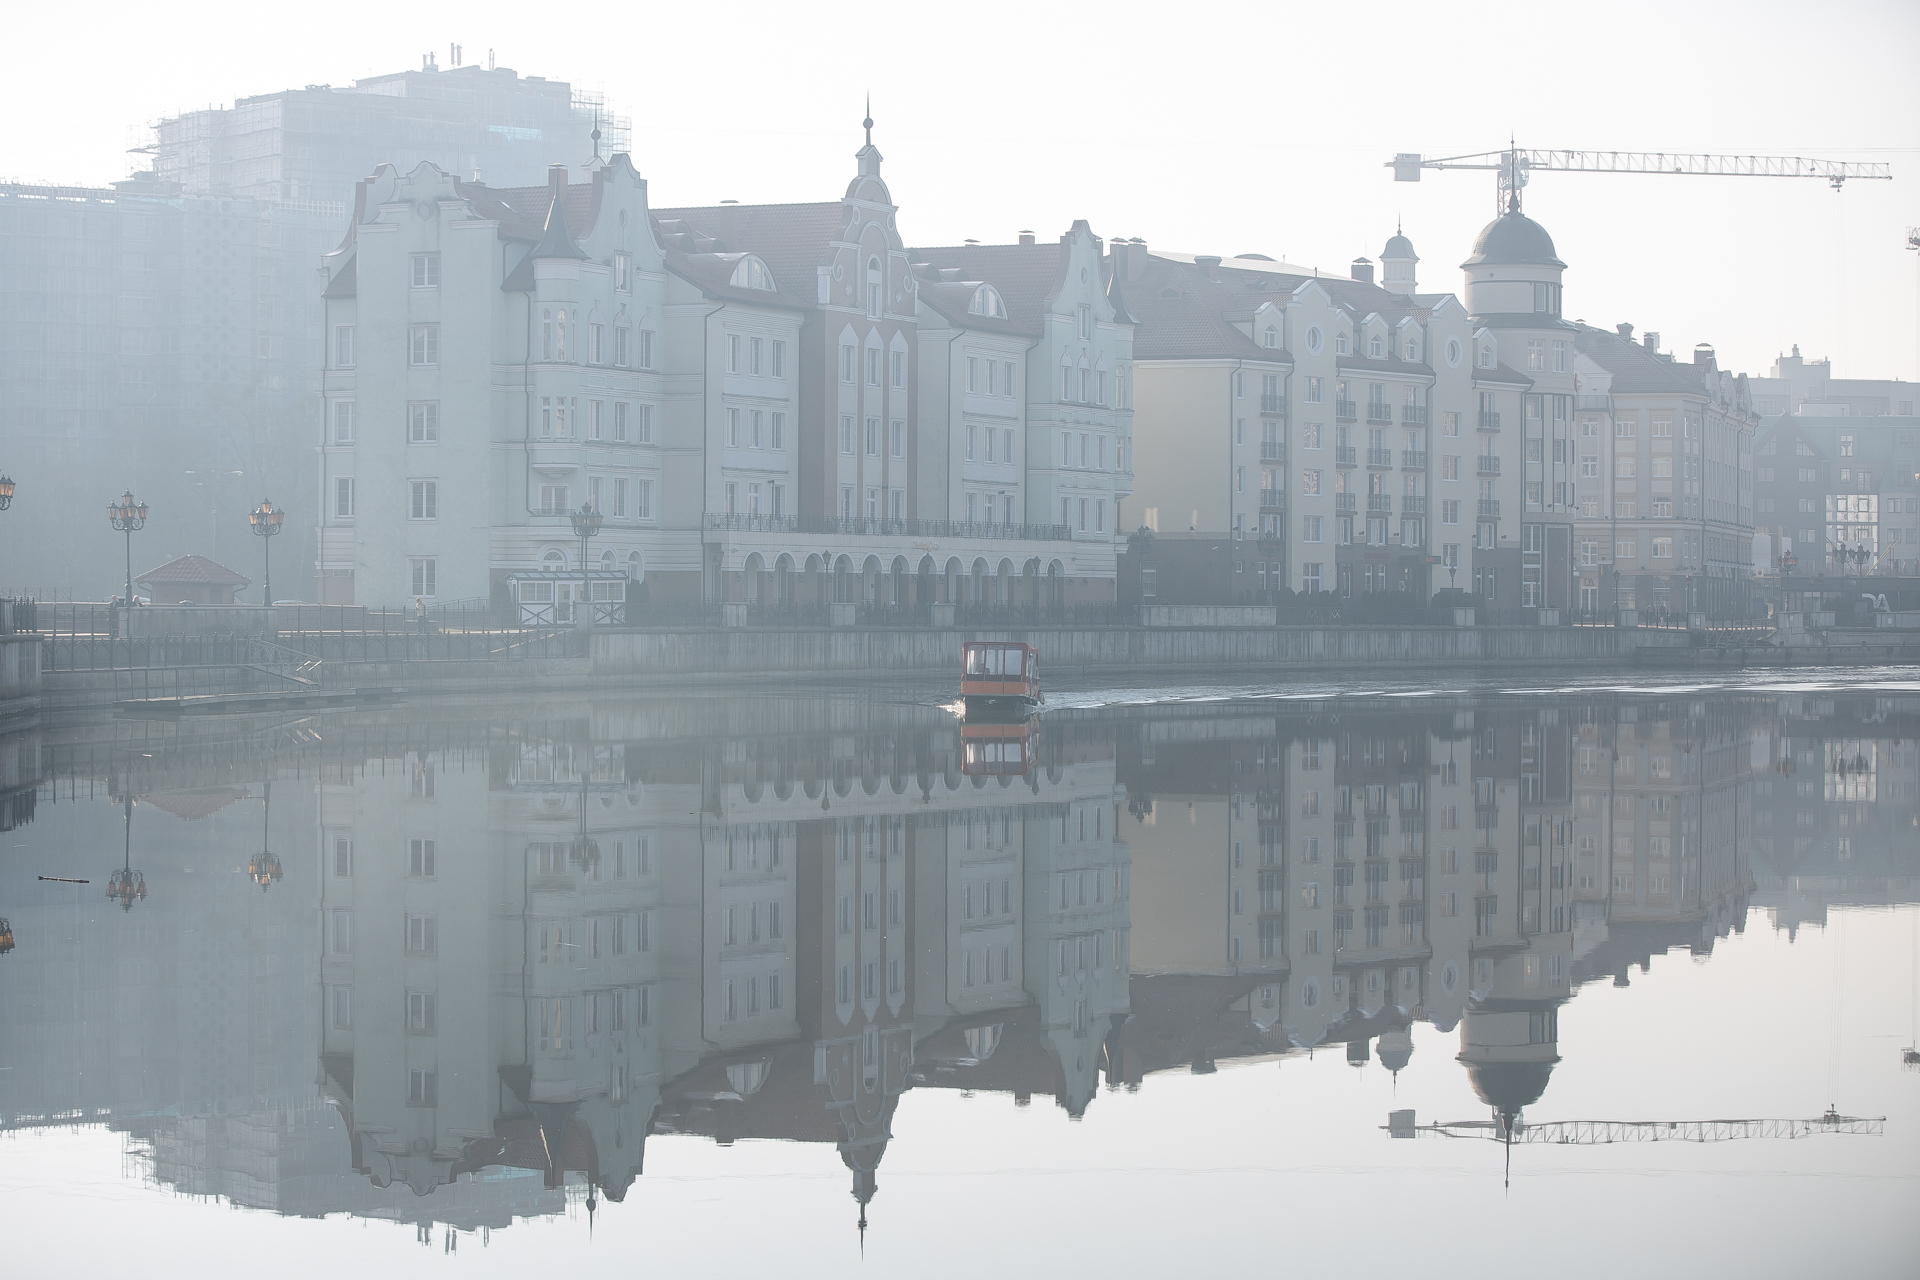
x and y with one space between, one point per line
987 302
752 273
560 335
1376 348
1413 352
554 560
874 288
1486 357
634 571
1066 379
1340 344
1272 337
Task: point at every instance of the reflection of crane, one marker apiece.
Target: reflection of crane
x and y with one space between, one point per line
1514 164
1586 1133
1507 1129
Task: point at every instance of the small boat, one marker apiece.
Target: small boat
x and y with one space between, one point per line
999 677
1002 750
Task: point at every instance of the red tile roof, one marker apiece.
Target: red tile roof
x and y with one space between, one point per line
193 569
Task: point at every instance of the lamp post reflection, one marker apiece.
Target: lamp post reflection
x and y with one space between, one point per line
264 868
127 886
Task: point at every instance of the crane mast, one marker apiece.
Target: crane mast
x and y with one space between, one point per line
1400 1124
1515 163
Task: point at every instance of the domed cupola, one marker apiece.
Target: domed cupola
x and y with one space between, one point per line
1513 276
1397 265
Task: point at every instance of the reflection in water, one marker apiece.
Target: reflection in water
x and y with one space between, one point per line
495 955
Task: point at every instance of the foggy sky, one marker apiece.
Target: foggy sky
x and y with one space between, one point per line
1211 128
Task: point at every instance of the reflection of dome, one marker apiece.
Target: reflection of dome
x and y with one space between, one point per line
1396 1048
1508 1087
1514 239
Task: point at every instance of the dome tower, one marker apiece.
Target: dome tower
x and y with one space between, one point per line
1513 277
1397 265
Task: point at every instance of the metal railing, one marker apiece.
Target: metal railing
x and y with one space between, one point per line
1413 459
879 528
17 617
1486 464
1490 507
1346 411
1272 499
1379 502
1414 415
1273 451
1414 504
1489 420
1379 411
1346 501
1273 404
1379 457
1345 455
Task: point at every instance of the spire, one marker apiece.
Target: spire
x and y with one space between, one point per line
556 241
868 122
869 155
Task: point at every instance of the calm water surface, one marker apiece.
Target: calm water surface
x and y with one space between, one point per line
819 980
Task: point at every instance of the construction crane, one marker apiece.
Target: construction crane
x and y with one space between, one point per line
1516 163
1508 1129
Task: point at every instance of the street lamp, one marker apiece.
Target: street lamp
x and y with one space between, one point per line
128 515
263 868
586 524
266 520
6 491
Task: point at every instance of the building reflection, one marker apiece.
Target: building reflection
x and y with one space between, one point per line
506 952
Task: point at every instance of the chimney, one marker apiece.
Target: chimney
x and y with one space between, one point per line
1703 353
557 180
1362 270
1209 263
1136 259
1625 331
1651 340
1026 237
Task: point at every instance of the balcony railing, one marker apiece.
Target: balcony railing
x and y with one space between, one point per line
1345 455
1273 451
1490 507
1379 503
1273 404
1379 457
1414 504
877 528
1414 415
1486 464
1345 501
1272 499
1379 411
1489 420
1346 411
1414 459
1593 402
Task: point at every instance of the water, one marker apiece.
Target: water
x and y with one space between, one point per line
797 979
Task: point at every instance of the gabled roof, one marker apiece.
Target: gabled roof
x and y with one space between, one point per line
1183 314
1636 370
791 238
193 569
1028 276
522 211
713 273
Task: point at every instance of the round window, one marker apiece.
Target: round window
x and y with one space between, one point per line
1313 338
1453 353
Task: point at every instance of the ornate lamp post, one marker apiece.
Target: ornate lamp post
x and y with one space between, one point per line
266 520
128 516
127 886
586 524
263 868
6 491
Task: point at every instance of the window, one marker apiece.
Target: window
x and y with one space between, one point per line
422 1013
343 422
1311 529
646 349
874 293
1310 576
873 366
899 369
1450 511
423 935
596 343
644 428
733 428
1536 353
343 346
1663 548
777 366
623 272
846 433
343 497
1559 356
1486 357
423 500
733 353
1340 343
421 577
848 359
898 438
777 430
643 500
1310 483
424 345
873 437
423 1089
423 422
1450 467
621 421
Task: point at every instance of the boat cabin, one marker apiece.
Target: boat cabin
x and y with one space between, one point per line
998 750
999 669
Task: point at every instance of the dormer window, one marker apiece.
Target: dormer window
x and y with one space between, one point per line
1413 352
1486 357
1376 348
1339 344
752 273
1271 339
987 302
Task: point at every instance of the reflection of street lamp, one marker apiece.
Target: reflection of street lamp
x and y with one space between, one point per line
587 853
263 867
586 524
266 520
6 936
127 886
6 491
128 516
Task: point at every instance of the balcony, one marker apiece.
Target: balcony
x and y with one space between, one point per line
1490 508
1379 411
1489 420
1379 457
1273 404
1272 499
1414 504
1602 403
1379 504
1344 455
1346 411
1273 451
1413 459
741 522
1486 464
1347 502
1413 415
